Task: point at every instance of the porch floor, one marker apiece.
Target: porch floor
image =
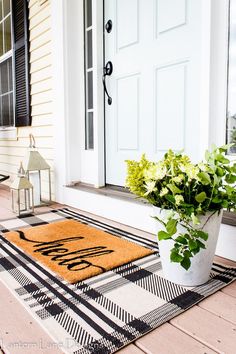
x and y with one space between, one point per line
206 328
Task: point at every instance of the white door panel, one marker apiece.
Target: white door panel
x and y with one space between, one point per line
170 14
155 50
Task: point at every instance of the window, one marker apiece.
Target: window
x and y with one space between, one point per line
6 82
89 111
14 68
231 109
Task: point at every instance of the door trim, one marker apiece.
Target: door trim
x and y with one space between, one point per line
99 127
93 161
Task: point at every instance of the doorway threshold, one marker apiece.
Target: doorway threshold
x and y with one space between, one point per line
108 191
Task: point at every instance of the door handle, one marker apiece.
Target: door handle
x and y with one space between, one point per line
107 71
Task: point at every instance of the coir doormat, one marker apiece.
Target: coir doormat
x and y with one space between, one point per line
106 312
76 251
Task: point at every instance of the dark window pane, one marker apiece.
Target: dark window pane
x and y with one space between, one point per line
89 144
0 10
89 49
90 131
7 33
5 110
11 110
10 81
90 89
4 77
6 7
1 39
89 13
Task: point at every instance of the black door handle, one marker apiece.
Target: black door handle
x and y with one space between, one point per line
107 71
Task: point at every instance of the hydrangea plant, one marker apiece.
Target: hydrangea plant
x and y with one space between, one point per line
188 190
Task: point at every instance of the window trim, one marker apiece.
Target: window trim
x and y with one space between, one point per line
8 133
3 58
6 56
2 21
230 153
217 72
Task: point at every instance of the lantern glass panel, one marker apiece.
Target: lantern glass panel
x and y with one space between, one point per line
22 201
41 182
34 178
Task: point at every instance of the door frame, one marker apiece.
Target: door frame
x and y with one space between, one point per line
72 162
95 174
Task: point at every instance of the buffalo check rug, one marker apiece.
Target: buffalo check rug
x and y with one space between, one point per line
105 312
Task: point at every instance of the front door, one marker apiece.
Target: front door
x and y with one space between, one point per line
154 46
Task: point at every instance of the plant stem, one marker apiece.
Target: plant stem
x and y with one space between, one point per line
208 219
160 221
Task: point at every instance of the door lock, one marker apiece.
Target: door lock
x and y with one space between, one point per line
108 26
108 69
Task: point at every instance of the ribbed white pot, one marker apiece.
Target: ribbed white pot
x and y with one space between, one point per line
201 263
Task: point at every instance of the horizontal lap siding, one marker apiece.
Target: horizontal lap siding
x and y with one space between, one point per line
13 151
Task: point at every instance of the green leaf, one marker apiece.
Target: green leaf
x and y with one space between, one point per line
182 240
192 245
229 190
224 148
162 235
202 234
220 172
225 204
201 197
233 168
230 178
186 263
216 200
174 189
222 159
187 254
216 179
177 246
171 226
175 256
187 236
204 177
195 220
207 155
200 244
170 198
196 250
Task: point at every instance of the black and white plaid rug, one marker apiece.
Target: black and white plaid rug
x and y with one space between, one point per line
106 312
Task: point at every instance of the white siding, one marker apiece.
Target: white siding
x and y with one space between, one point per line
13 151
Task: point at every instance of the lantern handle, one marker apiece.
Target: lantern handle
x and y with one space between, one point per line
32 141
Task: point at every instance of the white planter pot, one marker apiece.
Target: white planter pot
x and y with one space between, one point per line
201 263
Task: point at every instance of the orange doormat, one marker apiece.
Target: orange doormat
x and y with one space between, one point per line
76 251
